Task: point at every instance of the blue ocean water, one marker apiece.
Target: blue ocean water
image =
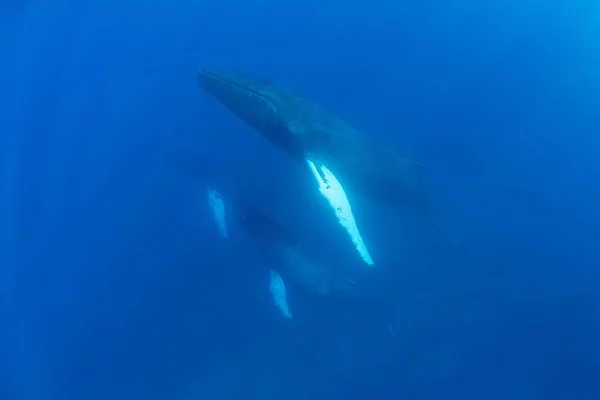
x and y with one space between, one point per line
115 283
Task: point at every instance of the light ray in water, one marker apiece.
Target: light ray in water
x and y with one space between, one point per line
277 287
216 202
333 191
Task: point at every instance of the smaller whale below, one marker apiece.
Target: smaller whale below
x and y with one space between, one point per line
289 263
340 158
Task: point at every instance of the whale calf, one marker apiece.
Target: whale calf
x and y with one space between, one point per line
339 157
289 263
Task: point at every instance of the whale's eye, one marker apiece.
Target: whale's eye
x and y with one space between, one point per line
339 209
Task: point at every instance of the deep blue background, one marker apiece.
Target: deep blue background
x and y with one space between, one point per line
114 283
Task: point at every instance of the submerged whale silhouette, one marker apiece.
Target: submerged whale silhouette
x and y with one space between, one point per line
281 251
304 130
337 154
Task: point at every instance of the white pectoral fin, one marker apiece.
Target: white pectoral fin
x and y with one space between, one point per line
278 291
215 200
331 188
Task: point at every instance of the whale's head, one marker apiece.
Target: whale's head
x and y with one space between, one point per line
262 104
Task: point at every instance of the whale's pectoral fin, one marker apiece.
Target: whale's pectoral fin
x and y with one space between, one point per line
215 200
279 293
331 188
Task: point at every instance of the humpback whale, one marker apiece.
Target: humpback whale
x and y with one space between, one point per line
337 155
289 263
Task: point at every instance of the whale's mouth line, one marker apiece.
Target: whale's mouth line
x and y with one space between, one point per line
234 84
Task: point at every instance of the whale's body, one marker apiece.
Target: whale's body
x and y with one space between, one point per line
303 130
